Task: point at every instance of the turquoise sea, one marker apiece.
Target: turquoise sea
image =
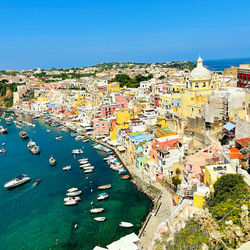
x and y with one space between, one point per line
36 217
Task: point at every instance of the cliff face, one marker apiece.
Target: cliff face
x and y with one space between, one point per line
7 99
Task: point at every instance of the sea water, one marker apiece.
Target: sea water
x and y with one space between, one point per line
36 217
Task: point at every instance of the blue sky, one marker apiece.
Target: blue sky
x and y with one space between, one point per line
46 33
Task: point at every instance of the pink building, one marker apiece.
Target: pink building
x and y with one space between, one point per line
122 100
108 110
101 127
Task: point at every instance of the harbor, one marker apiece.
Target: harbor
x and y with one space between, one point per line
38 212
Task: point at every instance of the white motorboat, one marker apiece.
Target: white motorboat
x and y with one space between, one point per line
77 151
59 138
83 159
79 137
67 168
100 218
89 168
52 161
89 171
102 197
96 210
126 224
3 130
48 130
85 165
72 190
72 199
86 140
17 181
76 193
70 203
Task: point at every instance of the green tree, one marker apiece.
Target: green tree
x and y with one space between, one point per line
176 181
178 171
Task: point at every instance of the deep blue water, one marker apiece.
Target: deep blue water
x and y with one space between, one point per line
220 65
36 217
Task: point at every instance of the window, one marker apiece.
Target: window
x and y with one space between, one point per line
204 84
197 85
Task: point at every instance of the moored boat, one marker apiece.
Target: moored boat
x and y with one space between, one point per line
72 189
52 161
126 224
34 149
76 193
23 135
104 187
125 177
89 171
100 218
72 199
67 168
77 151
70 203
96 210
36 182
59 138
102 197
3 150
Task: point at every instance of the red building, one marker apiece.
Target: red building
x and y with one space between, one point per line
243 76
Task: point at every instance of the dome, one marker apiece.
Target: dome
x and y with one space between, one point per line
200 72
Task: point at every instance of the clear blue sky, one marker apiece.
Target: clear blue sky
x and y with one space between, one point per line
67 33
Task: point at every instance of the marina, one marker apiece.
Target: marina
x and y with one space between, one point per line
25 202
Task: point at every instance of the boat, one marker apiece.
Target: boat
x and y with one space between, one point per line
126 224
48 130
67 168
100 218
79 137
17 181
37 182
102 197
88 168
74 134
3 130
96 210
76 193
59 138
89 171
104 187
86 140
34 149
52 161
85 165
77 151
3 150
122 171
83 159
70 203
8 123
36 116
72 190
72 199
125 177
23 135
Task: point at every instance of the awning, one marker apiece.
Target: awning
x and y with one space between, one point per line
113 143
121 148
229 126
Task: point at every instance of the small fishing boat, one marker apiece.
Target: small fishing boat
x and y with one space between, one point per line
48 130
77 151
126 224
83 159
23 135
85 165
125 177
89 171
17 181
79 137
74 134
52 161
122 171
3 150
86 140
76 193
96 210
70 203
88 168
3 130
104 187
67 168
59 138
72 189
102 197
72 199
100 218
37 182
8 123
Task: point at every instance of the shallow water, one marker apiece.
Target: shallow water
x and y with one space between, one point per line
36 217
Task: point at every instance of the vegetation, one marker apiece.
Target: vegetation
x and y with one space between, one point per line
176 181
229 192
190 237
162 77
178 171
126 80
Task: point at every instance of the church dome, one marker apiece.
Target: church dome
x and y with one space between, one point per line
200 72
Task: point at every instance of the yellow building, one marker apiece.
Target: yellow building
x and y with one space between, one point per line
113 87
123 116
231 71
199 199
42 99
79 101
213 172
113 133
